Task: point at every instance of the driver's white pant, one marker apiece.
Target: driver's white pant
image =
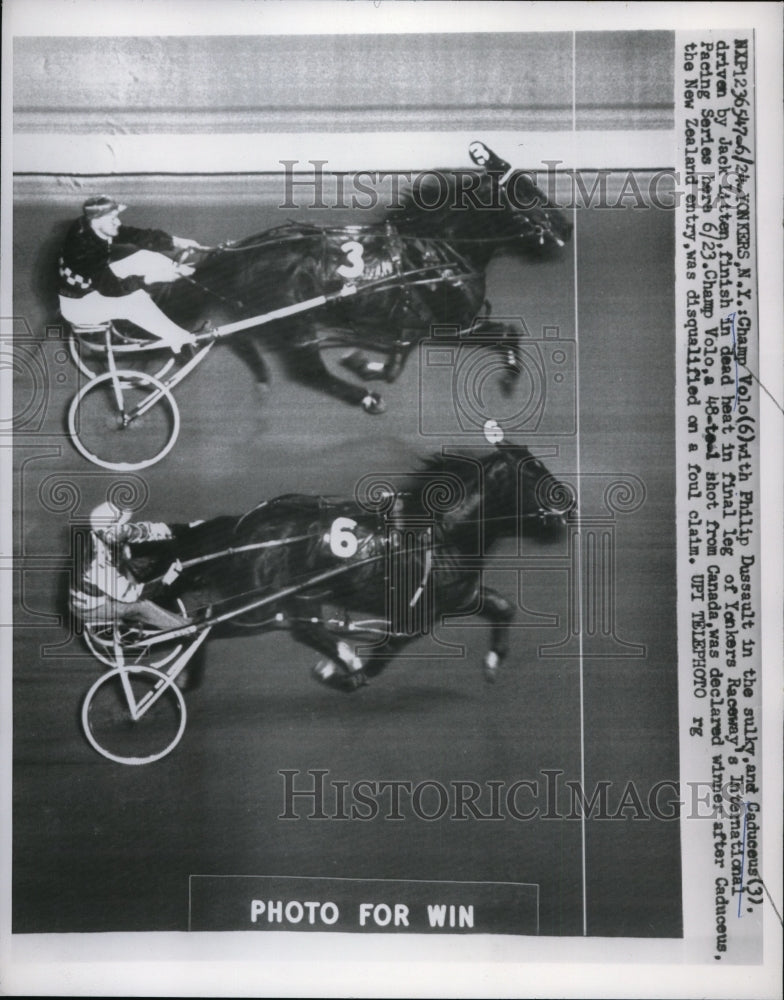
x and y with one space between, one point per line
137 307
145 611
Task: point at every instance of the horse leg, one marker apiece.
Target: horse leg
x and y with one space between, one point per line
342 669
397 359
358 362
192 676
507 345
499 612
309 367
380 661
492 605
246 347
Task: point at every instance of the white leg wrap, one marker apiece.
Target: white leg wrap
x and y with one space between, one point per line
349 657
491 664
325 669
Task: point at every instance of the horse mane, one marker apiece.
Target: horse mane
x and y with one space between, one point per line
454 464
440 203
462 466
457 461
441 467
438 188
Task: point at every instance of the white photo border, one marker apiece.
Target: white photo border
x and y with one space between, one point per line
339 965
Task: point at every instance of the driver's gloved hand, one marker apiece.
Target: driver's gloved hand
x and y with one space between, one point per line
172 573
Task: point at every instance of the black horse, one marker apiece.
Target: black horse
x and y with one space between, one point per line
381 567
424 264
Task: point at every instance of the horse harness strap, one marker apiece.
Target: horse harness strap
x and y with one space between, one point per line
410 301
425 577
395 245
269 544
260 602
395 537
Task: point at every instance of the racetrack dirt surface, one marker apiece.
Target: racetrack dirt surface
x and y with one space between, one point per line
100 847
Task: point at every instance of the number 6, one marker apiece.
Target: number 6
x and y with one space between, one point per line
342 540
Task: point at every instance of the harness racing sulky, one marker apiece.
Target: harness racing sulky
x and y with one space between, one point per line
379 287
355 579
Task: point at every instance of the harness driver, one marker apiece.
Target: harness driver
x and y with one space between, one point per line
104 267
107 592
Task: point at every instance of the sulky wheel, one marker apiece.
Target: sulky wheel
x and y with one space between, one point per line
90 358
134 715
114 640
124 420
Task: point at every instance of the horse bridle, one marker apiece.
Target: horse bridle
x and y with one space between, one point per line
499 172
506 450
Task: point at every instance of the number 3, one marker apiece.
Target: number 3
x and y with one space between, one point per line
342 540
356 265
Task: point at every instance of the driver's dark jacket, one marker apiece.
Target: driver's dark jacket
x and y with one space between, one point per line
85 258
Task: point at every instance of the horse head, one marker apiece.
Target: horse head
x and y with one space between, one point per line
521 495
483 210
506 492
525 210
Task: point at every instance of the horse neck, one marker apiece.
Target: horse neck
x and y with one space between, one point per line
479 253
499 504
476 251
473 526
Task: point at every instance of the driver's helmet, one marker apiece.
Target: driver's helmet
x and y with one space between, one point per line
100 205
107 518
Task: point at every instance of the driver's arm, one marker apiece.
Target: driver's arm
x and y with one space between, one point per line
148 531
155 239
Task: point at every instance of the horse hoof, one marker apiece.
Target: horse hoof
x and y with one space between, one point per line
189 680
352 682
354 361
508 382
327 672
373 403
490 667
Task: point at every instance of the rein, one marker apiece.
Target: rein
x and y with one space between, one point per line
271 544
377 285
305 584
440 248
237 303
372 229
288 232
260 602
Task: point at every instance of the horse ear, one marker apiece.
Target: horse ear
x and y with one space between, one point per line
483 156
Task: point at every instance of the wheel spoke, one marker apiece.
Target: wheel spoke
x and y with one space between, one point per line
133 715
91 359
103 641
124 420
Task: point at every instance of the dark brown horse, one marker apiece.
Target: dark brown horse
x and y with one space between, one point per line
423 265
383 566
